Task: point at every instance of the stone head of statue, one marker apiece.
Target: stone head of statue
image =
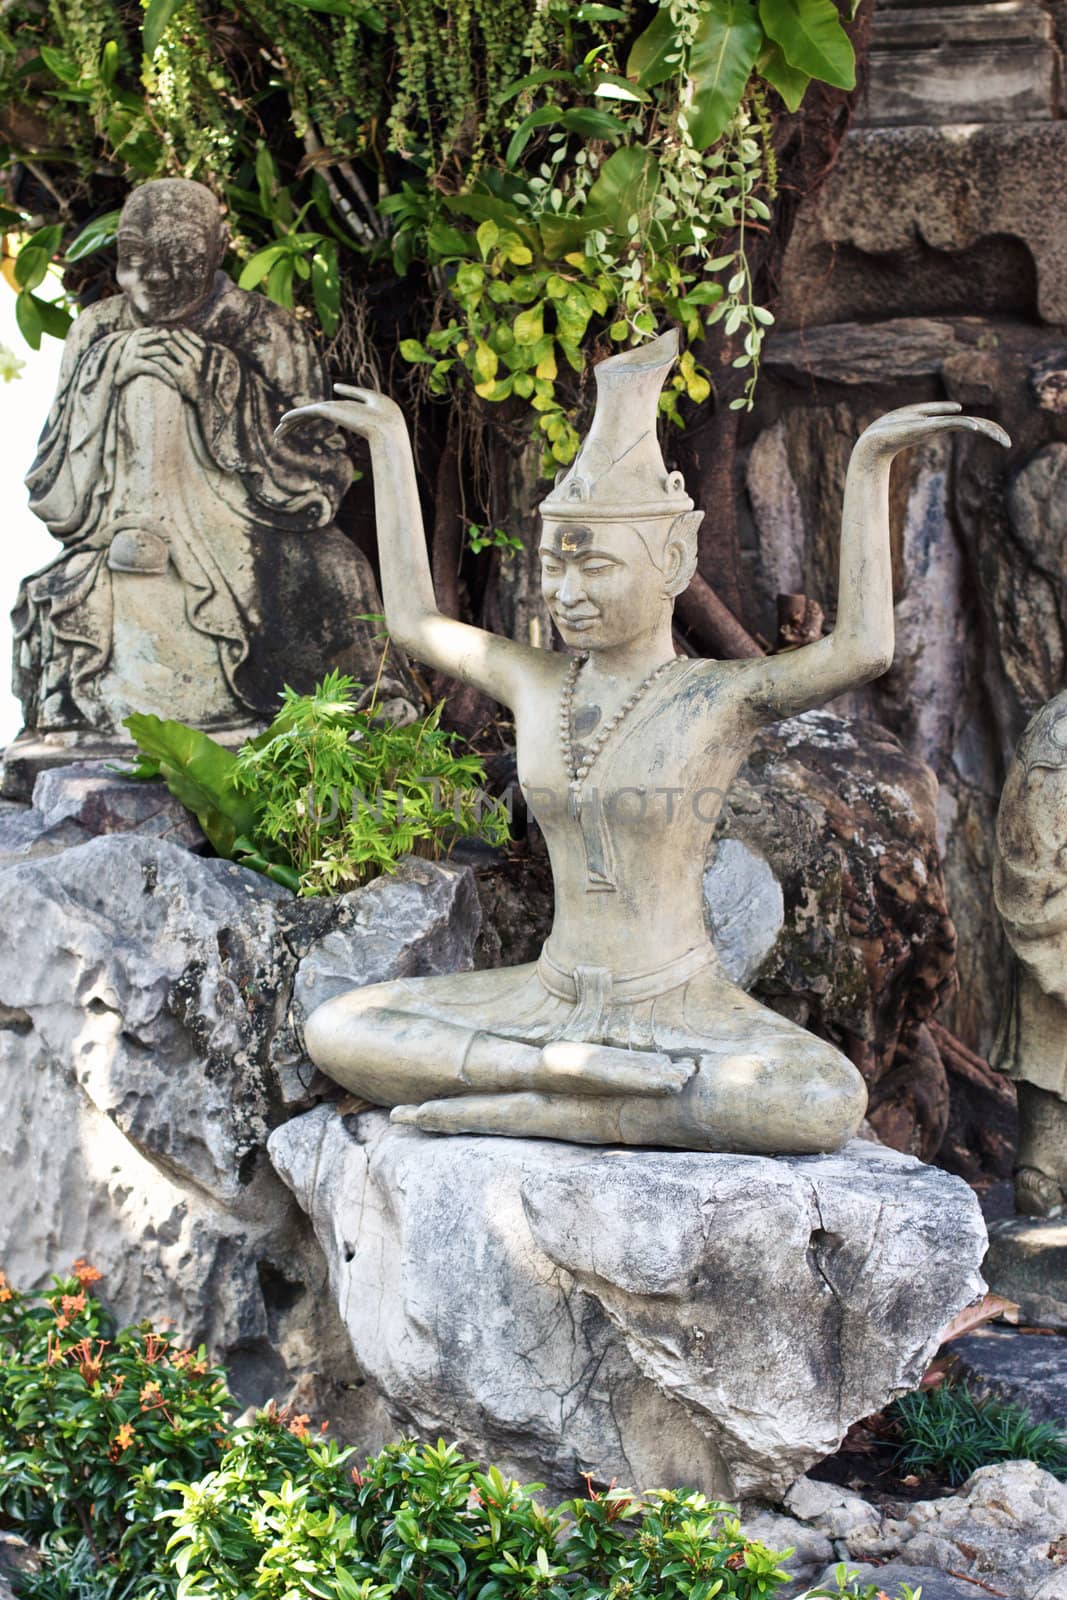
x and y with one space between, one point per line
172 239
620 533
608 582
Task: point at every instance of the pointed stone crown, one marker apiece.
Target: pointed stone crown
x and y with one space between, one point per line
619 474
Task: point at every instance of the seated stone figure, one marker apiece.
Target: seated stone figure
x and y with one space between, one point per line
1030 888
200 567
626 1030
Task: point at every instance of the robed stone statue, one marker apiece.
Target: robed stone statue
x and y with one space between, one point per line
200 567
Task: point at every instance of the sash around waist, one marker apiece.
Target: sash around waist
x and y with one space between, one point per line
631 990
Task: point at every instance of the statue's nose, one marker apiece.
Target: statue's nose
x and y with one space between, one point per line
571 589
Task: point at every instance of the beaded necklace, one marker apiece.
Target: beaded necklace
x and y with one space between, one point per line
577 771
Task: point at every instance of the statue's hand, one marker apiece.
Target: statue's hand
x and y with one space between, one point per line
897 430
175 355
362 411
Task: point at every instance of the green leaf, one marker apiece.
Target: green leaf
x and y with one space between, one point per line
612 87
31 263
280 281
199 772
790 83
96 235
724 50
326 287
593 124
157 17
487 235
256 267
55 320
531 81
543 117
812 39
657 53
28 318
486 360
60 64
626 185
528 326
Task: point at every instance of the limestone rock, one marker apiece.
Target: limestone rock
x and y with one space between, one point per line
26 836
745 909
1027 1262
102 801
810 1550
1004 1529
650 1317
422 920
148 1044
845 820
827 1507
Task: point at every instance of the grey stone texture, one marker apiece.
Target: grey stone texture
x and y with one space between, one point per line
1027 1262
1006 1529
149 1041
1030 1370
654 1317
99 799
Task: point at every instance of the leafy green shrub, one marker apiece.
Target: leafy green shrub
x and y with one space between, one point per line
421 1523
94 1427
116 1460
330 795
949 1433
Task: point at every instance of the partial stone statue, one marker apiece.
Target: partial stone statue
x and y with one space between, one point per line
1030 887
201 568
626 1030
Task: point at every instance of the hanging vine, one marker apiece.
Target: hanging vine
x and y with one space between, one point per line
547 186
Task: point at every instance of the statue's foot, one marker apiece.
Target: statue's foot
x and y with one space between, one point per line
579 1119
1037 1195
1041 1160
568 1067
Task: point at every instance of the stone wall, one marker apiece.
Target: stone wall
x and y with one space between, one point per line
932 264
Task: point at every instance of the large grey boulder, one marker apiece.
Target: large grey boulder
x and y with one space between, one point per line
646 1316
149 1041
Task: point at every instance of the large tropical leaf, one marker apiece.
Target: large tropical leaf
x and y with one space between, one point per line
199 772
812 39
625 187
727 41
791 83
657 53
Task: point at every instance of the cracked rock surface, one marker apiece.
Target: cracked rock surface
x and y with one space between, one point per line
149 1041
653 1317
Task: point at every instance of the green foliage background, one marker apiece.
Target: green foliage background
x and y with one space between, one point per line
542 184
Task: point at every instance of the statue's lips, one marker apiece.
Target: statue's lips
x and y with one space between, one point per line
584 620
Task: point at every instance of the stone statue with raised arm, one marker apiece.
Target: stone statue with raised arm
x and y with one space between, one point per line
200 567
626 1030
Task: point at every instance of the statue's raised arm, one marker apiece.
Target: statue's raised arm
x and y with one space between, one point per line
497 666
861 644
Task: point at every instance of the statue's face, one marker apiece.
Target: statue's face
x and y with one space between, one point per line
167 272
601 584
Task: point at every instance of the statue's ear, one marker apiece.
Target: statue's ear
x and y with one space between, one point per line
223 240
680 553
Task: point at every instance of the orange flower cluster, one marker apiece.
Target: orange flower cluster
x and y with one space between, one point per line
85 1274
123 1440
5 1292
89 1365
